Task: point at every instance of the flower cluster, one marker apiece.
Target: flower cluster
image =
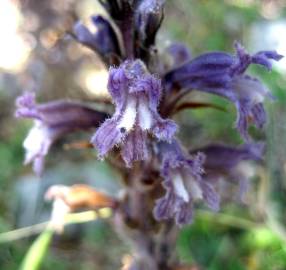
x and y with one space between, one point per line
144 90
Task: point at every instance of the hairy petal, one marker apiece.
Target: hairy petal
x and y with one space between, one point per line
184 185
164 129
211 197
117 85
220 156
223 74
164 207
224 162
135 147
106 137
136 95
185 215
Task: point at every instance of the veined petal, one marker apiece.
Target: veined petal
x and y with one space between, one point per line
104 41
211 197
69 115
136 94
164 207
52 120
184 184
83 34
243 111
206 67
185 215
117 85
224 157
224 163
106 137
135 147
244 59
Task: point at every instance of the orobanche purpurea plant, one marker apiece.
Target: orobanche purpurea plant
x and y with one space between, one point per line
163 181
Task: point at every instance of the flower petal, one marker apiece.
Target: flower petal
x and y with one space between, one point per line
135 147
104 41
164 129
106 137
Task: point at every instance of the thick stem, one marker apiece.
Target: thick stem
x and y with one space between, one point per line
152 243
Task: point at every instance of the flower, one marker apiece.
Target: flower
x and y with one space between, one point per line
104 41
52 121
226 162
136 95
182 179
223 74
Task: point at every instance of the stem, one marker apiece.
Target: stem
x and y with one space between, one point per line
74 218
126 27
152 243
168 108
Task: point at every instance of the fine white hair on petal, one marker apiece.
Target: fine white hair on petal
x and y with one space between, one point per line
145 116
180 189
129 115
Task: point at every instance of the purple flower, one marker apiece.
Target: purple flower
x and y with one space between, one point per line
223 74
136 96
228 162
184 185
104 41
52 121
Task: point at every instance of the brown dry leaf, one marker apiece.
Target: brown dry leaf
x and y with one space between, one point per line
80 196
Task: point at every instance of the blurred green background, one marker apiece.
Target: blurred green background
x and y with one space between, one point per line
35 54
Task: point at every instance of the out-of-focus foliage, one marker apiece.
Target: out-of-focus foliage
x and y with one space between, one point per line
243 237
